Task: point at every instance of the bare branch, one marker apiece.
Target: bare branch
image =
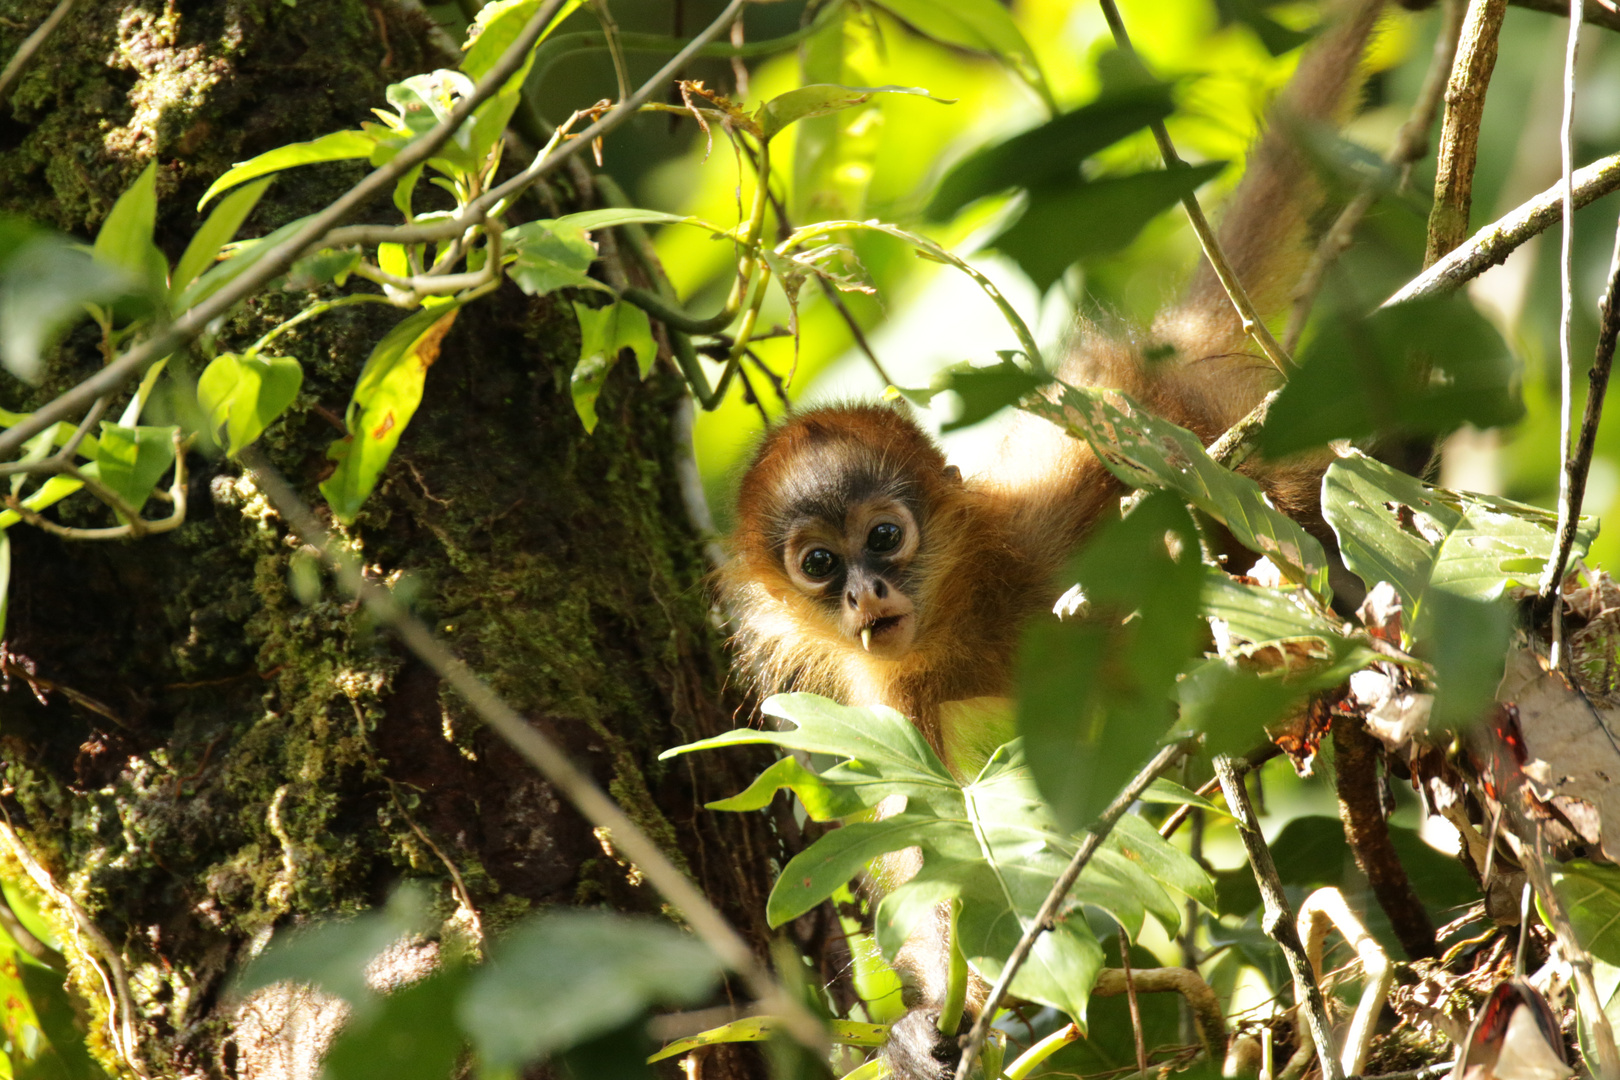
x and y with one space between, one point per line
31 45
1459 133
1492 245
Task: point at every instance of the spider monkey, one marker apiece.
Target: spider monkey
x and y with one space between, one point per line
868 569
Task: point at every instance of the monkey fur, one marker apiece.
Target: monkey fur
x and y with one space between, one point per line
865 567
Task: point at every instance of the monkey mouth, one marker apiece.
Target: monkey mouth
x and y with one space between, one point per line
879 629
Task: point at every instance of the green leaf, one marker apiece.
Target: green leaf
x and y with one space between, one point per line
241 397
603 333
219 230
1094 693
517 1009
991 842
1146 452
1067 222
549 255
760 1028
1591 895
496 27
1467 641
984 25
125 237
834 155
821 99
44 1034
410 1034
131 460
338 146
385 398
616 215
1427 367
1051 153
242 259
985 391
1392 527
820 800
45 282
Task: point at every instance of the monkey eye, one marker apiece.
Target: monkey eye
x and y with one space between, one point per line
819 563
884 537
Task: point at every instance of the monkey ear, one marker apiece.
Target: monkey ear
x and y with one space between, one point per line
953 474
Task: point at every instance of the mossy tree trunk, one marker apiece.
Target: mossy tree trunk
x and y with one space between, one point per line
203 748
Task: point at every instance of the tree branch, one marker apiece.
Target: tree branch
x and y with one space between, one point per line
1459 132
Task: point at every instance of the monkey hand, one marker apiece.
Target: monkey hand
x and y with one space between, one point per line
918 1050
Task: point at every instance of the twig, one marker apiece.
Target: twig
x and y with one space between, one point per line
31 45
831 292
1323 910
706 922
1597 385
1200 997
1278 921
1602 13
1459 133
1496 241
1043 920
1252 323
1134 1006
1411 143
316 233
1566 312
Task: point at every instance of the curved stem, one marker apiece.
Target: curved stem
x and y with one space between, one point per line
309 313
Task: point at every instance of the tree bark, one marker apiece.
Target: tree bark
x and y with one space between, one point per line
198 747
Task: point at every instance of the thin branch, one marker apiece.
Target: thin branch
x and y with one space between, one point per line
315 234
831 292
1252 323
1323 910
1551 575
1044 918
706 922
1134 1006
1597 381
1496 241
1411 143
1602 13
1459 133
1278 921
31 45
1201 999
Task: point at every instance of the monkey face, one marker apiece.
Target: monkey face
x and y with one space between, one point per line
855 567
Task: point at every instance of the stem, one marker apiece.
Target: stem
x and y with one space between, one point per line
1553 574
950 1013
1042 1050
1278 921
31 45
308 313
1252 324
1043 921
1459 132
547 758
1134 1006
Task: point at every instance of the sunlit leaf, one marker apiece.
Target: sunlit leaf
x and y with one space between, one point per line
496 27
1051 153
242 396
616 215
984 25
517 1008
219 230
1591 896
125 237
1094 693
1427 366
819 100
130 461
1067 222
1147 452
338 146
385 398
759 1028
603 333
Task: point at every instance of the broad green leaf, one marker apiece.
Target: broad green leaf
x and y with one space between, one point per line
45 282
1094 693
549 255
409 1034
241 397
990 842
984 391
1051 153
1467 641
131 460
1591 895
1425 367
385 398
1256 614
603 333
44 1036
1170 793
759 1028
1146 452
517 1009
1231 706
1392 527
219 230
338 146
821 801
985 25
325 265
804 102
50 493
125 237
1067 222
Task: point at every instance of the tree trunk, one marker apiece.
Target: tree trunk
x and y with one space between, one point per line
199 746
